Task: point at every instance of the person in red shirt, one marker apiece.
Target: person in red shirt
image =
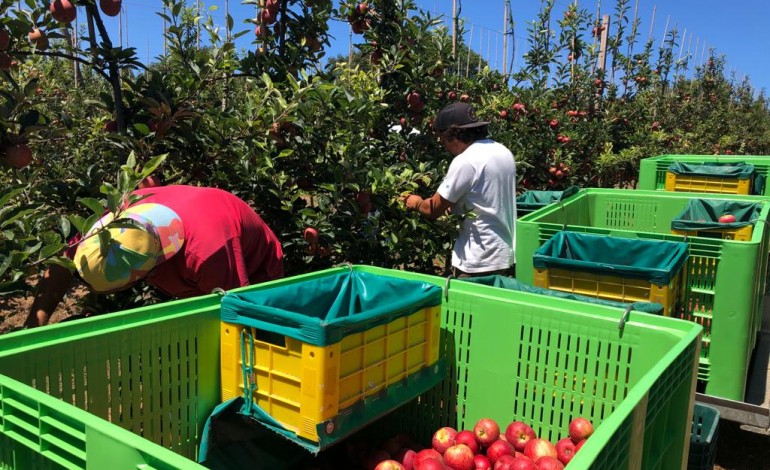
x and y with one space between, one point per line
184 240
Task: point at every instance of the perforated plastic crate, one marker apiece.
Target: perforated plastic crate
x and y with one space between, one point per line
726 278
133 389
703 438
653 170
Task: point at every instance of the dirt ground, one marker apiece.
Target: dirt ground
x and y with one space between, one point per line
737 449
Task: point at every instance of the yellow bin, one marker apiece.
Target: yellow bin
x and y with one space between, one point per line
301 385
706 184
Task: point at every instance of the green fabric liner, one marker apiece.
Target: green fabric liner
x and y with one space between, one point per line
532 200
361 413
655 261
324 310
261 448
704 214
510 283
740 170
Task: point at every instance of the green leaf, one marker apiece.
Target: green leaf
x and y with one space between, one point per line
64 226
10 195
78 222
51 250
29 119
94 205
31 86
142 128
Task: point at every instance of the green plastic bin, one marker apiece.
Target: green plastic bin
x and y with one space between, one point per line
133 389
703 438
726 278
530 201
652 170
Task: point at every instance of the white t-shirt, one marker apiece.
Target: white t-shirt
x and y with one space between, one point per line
482 180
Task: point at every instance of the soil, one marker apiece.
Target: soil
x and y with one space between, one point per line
737 449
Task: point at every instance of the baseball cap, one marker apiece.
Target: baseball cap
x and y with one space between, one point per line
458 115
143 236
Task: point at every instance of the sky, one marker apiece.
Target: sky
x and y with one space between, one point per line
738 29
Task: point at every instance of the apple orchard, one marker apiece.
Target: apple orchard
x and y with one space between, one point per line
309 140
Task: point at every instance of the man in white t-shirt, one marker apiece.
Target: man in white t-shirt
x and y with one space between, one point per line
481 180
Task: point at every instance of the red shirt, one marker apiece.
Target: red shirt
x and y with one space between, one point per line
226 244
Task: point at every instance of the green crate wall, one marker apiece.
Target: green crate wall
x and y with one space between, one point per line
652 170
133 389
726 278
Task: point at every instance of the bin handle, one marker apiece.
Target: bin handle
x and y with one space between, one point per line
220 291
624 318
446 287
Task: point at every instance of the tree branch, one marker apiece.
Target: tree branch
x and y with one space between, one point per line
64 56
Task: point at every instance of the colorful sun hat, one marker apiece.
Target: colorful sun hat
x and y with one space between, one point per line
143 236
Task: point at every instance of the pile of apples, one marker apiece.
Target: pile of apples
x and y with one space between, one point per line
487 447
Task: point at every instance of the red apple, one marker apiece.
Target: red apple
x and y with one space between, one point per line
262 31
537 448
459 457
549 463
267 16
310 235
579 429
63 11
481 462
415 102
38 38
554 123
18 156
579 445
505 462
443 439
727 219
426 454
430 464
499 448
389 465
565 450
504 114
465 98
519 107
273 5
469 439
111 126
406 457
487 431
519 433
523 463
452 95
5 39
110 7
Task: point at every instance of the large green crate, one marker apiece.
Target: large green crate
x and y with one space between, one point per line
726 278
133 389
652 170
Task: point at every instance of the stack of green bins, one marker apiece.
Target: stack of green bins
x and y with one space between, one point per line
133 389
726 278
652 170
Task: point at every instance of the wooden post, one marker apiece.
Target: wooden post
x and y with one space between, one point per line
652 22
603 42
454 30
506 12
468 58
198 25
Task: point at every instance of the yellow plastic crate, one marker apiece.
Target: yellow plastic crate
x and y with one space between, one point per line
610 287
742 234
706 184
301 385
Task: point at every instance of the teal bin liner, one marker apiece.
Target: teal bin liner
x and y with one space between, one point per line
741 171
510 283
657 262
704 214
531 201
322 311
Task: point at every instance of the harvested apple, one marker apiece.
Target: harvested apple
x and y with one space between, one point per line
727 219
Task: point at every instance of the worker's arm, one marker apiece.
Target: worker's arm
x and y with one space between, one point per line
432 208
52 286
